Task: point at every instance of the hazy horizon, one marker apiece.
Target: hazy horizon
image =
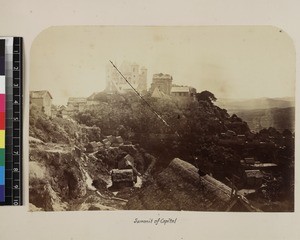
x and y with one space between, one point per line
235 62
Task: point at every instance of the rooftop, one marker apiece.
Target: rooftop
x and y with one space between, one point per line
40 94
162 76
76 100
254 173
180 89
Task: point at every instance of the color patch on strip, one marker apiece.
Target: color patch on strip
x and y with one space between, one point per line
2 138
2 193
2 102
2 171
2 84
2 120
2 157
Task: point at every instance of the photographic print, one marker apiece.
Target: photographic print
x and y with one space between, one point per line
176 118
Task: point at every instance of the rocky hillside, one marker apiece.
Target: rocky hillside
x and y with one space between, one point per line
66 175
75 163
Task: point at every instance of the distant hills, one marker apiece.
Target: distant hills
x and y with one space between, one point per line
257 103
263 112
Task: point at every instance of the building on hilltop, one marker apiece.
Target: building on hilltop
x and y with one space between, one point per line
163 82
91 99
183 91
76 104
42 100
183 94
159 94
135 75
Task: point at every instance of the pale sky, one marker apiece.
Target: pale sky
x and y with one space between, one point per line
229 61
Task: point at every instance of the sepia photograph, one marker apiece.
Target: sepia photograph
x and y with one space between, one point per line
189 118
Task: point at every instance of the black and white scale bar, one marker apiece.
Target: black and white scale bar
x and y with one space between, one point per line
13 138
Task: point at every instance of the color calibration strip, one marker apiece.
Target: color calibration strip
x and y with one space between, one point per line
2 120
12 150
16 125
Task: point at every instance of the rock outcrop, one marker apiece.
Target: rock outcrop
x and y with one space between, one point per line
55 177
180 187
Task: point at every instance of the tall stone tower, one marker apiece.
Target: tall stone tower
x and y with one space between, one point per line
163 82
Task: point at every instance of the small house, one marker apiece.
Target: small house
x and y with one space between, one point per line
183 91
110 138
253 178
42 100
119 140
106 143
91 147
250 160
76 104
157 93
241 137
126 163
100 145
122 178
230 133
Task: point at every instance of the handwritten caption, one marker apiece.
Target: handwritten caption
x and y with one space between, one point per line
156 221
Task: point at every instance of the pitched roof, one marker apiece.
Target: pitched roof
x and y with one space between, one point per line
264 165
159 94
92 97
180 89
253 173
40 94
76 100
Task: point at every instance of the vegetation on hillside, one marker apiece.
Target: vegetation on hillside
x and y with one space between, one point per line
196 132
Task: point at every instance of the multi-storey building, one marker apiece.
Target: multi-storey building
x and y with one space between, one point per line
135 75
163 82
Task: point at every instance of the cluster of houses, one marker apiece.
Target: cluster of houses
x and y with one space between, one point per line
256 172
109 141
43 101
230 138
161 87
125 173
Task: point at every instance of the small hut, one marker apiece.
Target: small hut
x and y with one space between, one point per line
91 147
122 178
253 178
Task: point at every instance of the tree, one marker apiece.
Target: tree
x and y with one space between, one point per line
206 96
